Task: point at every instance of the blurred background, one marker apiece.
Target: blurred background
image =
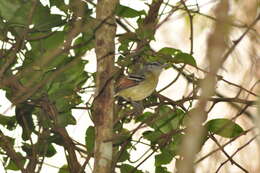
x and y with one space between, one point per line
240 75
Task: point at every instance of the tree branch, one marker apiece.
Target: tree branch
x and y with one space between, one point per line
104 95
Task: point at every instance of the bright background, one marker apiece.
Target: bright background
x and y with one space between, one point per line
239 69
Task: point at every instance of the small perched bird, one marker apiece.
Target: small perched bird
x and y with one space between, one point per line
139 86
23 114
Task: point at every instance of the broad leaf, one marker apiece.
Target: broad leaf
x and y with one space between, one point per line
169 51
124 156
168 119
152 136
47 150
12 166
8 8
59 4
177 56
124 168
160 169
163 158
65 119
7 121
185 58
64 169
90 139
224 127
43 19
124 11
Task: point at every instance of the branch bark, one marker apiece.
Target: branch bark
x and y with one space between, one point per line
6 145
104 94
149 24
191 143
51 111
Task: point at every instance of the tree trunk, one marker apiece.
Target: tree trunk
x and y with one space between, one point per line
104 95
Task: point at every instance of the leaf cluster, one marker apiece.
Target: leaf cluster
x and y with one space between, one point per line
42 71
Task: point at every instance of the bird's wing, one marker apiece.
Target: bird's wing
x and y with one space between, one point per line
127 82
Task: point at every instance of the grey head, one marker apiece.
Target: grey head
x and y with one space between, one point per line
154 67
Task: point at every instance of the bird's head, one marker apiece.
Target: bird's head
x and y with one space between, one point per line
154 67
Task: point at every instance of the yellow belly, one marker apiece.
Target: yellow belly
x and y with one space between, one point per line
138 92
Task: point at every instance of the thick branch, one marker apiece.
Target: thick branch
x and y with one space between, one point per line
104 95
198 115
8 148
51 111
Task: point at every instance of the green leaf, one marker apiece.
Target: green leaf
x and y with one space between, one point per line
65 119
168 119
56 3
44 149
54 40
40 47
178 56
51 151
8 8
121 137
185 58
59 4
20 16
64 169
224 127
160 169
12 166
90 139
123 47
125 40
63 89
7 121
127 37
163 158
57 139
27 149
125 168
74 75
43 19
174 146
169 51
86 43
143 117
152 136
124 156
16 13
146 32
124 11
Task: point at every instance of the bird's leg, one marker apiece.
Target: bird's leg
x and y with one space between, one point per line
138 107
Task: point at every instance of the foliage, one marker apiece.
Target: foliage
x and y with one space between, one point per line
42 70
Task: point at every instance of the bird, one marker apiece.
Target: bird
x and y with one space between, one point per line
23 114
137 87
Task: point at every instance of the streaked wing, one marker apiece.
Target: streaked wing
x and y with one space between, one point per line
138 78
126 82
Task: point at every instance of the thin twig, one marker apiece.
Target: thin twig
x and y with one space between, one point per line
191 25
224 58
226 154
240 148
230 141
